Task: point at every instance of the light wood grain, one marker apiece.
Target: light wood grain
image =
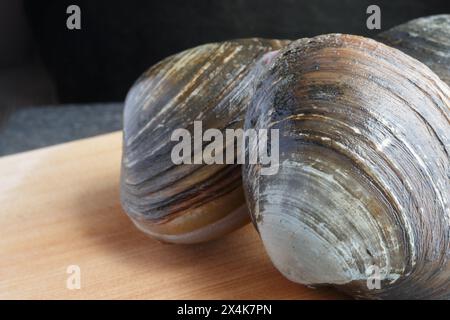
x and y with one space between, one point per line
59 206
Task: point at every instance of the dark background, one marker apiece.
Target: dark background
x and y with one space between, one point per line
120 39
42 63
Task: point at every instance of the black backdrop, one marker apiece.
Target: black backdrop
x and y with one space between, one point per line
120 39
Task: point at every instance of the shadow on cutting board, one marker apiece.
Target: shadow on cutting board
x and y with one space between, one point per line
234 267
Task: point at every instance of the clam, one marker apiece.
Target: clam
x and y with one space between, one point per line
427 39
211 84
362 190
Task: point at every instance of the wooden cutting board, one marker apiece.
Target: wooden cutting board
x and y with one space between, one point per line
59 206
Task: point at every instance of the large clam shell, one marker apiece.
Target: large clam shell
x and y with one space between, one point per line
211 83
362 189
427 39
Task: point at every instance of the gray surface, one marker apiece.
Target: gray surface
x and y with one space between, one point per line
36 127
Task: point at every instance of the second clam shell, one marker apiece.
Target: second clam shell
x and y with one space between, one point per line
211 83
426 39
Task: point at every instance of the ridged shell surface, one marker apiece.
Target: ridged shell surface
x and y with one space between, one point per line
187 203
426 39
362 189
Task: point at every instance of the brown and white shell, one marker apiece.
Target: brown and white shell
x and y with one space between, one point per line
426 39
211 83
363 187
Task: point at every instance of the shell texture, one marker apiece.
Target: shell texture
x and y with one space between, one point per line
426 39
211 83
362 190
